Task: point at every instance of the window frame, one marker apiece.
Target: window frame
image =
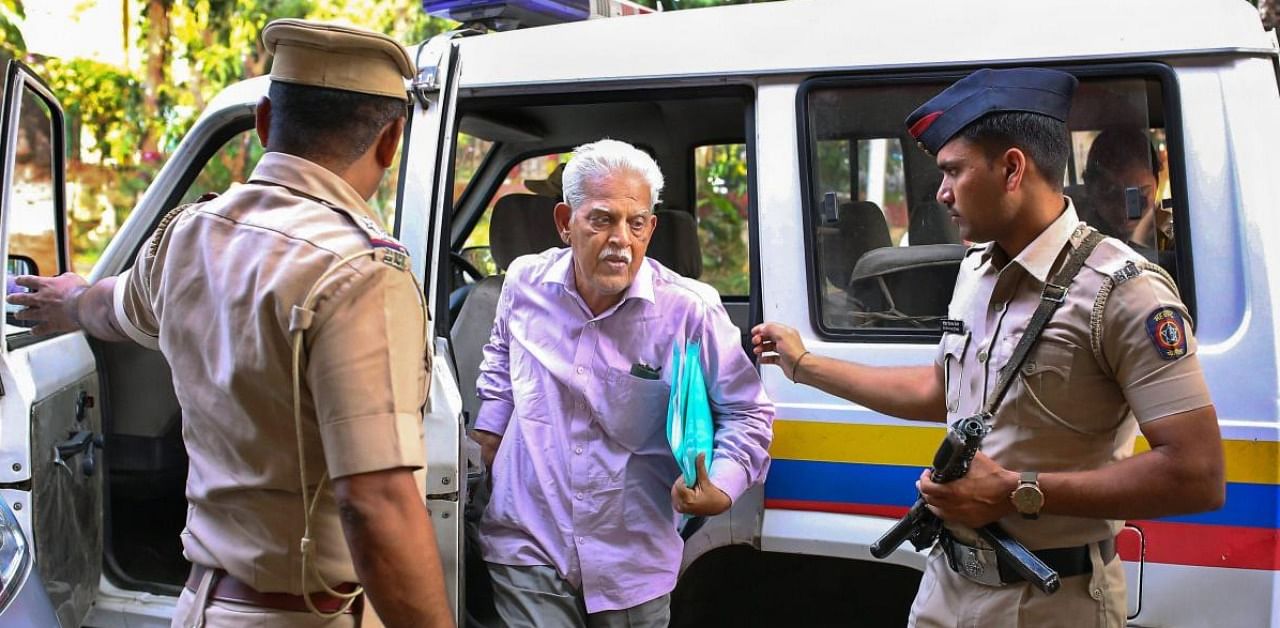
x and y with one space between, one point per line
1171 106
18 71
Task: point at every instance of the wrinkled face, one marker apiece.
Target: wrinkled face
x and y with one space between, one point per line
973 189
609 234
1109 196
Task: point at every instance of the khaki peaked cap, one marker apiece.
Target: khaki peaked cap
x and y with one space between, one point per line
337 57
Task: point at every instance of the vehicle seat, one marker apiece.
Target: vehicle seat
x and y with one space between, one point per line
675 243
521 224
929 223
860 228
899 286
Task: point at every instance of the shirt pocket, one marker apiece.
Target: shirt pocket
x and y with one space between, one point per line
635 415
953 348
1045 398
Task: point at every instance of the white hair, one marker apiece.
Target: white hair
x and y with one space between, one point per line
595 161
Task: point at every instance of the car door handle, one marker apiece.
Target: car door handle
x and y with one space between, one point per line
78 443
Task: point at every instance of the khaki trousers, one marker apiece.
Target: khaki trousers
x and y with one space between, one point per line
947 599
196 610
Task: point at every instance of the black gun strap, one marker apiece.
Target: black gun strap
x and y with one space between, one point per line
1054 293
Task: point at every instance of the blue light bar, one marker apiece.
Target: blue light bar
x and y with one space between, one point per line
522 12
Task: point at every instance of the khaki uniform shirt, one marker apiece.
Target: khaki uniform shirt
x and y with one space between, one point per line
1118 352
213 290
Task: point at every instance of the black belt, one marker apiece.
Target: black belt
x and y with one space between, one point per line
1067 561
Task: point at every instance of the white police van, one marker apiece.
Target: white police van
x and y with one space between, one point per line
794 189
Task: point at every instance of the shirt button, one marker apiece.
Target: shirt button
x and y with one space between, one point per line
999 307
582 539
581 370
577 450
591 324
982 356
578 496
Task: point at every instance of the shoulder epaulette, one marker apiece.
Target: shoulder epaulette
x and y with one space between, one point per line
393 253
168 219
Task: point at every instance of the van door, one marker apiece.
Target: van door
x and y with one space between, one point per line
50 430
420 226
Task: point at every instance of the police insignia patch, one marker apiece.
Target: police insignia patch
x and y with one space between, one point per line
1168 332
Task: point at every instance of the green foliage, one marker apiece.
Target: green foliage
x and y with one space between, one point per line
722 217
11 41
123 121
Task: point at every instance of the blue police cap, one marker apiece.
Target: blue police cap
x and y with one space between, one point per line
1033 90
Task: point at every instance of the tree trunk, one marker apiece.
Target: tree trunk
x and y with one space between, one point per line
156 79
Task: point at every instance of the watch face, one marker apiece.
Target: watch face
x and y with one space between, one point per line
1028 499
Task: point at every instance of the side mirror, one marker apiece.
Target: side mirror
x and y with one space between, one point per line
21 265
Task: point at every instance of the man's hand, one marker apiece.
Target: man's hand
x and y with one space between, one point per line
704 499
978 498
775 343
52 302
489 443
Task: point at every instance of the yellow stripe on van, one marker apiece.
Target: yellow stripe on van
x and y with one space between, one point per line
1254 462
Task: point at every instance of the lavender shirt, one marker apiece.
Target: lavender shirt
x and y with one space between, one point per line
582 481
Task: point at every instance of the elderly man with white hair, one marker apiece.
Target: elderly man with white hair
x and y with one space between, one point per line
581 526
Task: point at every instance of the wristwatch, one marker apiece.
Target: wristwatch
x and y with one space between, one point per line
1028 498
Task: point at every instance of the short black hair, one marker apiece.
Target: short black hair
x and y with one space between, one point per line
1118 148
1045 140
328 125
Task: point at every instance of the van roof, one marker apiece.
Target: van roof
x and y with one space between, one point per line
829 35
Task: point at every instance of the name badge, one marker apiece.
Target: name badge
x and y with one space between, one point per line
952 326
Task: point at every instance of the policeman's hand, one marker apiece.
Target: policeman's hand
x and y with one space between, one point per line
704 499
51 302
978 498
775 343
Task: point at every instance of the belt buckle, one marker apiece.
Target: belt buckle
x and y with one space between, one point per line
976 564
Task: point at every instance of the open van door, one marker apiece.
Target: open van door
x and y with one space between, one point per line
50 431
421 227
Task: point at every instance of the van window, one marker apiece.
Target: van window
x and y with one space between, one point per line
885 252
523 182
468 156
233 163
720 174
33 214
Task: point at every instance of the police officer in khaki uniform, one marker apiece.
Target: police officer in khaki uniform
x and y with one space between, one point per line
224 288
1117 357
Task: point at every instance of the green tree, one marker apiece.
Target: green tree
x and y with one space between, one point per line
11 41
123 122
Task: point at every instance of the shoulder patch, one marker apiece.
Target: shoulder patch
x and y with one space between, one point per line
1168 332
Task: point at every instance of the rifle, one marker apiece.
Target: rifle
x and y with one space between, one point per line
921 526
